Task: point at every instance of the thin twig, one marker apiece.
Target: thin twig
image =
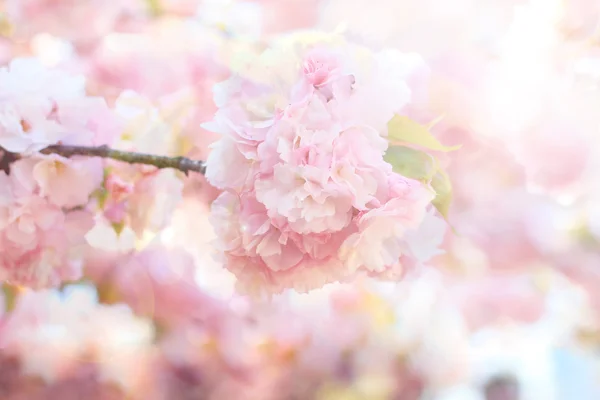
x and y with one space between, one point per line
179 163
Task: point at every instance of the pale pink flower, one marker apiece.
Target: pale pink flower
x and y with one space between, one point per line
68 182
244 126
153 200
323 170
146 130
321 67
142 198
263 257
227 166
309 207
253 234
379 241
41 107
41 243
312 200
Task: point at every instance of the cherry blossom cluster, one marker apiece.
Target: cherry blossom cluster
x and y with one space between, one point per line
43 197
307 197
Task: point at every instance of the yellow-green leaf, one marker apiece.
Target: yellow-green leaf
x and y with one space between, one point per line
443 192
411 163
403 130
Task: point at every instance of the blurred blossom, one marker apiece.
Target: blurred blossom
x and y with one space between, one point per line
51 333
67 18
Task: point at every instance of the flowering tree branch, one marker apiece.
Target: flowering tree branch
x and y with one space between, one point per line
179 163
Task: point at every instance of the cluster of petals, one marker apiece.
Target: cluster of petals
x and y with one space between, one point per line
42 225
308 197
43 198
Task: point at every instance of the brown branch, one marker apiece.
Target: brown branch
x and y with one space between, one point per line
179 163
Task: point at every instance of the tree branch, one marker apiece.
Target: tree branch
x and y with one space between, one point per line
179 163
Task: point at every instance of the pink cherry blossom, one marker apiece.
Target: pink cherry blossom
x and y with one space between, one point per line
379 240
313 185
153 200
41 107
68 182
41 243
142 198
321 67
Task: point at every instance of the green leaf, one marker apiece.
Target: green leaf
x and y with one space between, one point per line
411 163
443 189
404 130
